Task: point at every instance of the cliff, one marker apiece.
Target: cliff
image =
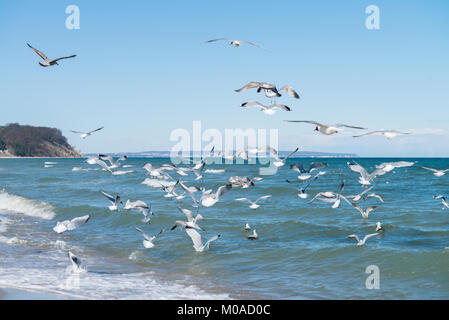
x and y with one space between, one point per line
28 141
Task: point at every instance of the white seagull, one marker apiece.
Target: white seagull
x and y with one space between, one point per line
114 163
114 200
389 134
436 172
365 178
362 242
270 89
84 135
247 227
208 200
326 129
390 166
69 225
279 162
234 43
48 62
148 242
197 242
254 204
379 227
140 206
253 236
305 173
268 110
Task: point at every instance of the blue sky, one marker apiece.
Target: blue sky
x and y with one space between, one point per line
142 71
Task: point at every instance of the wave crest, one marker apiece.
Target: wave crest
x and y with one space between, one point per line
17 204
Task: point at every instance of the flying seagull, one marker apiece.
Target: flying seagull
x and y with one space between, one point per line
48 62
279 162
114 163
362 242
208 200
269 110
254 204
365 178
443 201
390 166
197 242
140 206
436 172
364 213
270 89
305 173
114 200
69 225
379 227
84 135
191 221
389 134
148 242
234 43
327 129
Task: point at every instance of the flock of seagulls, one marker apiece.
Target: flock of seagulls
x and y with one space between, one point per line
175 188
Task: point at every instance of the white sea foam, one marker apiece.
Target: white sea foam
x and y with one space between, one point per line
17 204
214 171
157 183
127 166
118 172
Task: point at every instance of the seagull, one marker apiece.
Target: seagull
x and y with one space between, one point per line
244 182
208 200
247 227
148 242
436 172
305 174
366 212
191 221
443 201
327 129
84 135
302 191
76 263
191 192
389 134
140 206
379 227
357 198
254 204
47 62
390 166
114 164
69 225
253 236
234 43
365 178
114 200
157 172
268 110
279 162
362 242
329 196
197 242
270 89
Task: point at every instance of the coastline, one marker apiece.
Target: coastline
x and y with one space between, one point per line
22 294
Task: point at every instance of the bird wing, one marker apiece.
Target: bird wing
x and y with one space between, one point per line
431 169
281 106
357 168
196 239
213 40
146 236
189 192
370 209
77 132
354 236
307 121
187 213
290 91
373 195
43 56
291 153
95 130
368 133
263 197
73 56
208 242
253 104
251 43
79 221
298 167
348 126
250 85
243 199
369 236
110 198
221 190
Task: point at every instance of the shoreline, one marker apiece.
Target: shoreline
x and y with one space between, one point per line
26 294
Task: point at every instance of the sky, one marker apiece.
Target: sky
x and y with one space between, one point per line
143 71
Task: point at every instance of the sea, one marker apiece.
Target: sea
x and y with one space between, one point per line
303 250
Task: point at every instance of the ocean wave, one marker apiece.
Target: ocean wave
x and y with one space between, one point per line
120 172
17 204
